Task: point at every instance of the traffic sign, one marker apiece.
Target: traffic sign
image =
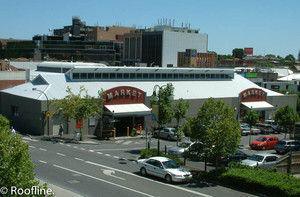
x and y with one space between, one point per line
48 113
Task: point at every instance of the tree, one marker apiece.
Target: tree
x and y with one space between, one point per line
286 117
16 168
238 53
251 118
215 130
179 110
78 107
164 104
290 58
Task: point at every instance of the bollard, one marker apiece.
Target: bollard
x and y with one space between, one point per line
127 131
165 149
140 130
115 133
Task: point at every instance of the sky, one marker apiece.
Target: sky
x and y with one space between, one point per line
269 26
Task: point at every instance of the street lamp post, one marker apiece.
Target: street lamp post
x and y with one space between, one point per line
48 126
158 99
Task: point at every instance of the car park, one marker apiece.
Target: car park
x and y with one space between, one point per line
264 128
245 129
262 160
284 146
165 168
264 142
274 125
180 149
166 133
240 155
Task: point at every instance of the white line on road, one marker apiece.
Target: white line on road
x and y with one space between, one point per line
107 155
61 154
116 157
75 147
92 151
99 153
68 145
132 174
127 142
82 148
119 141
133 190
27 138
42 161
79 159
31 147
43 149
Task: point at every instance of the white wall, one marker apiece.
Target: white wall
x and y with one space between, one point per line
174 42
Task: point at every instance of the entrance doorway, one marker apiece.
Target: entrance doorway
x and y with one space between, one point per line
121 124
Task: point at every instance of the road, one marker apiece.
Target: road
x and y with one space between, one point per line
109 169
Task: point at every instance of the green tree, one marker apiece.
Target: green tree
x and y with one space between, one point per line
251 118
16 168
238 53
164 103
179 110
78 107
286 117
215 130
290 58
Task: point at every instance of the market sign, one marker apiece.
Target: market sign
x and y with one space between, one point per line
253 94
124 95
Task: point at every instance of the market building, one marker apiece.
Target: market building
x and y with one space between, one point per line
128 92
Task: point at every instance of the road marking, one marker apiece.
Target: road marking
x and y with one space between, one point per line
75 147
82 148
68 145
110 172
43 149
79 159
102 180
99 153
92 151
31 147
141 177
61 154
116 157
61 143
120 141
127 142
25 141
42 161
27 138
107 155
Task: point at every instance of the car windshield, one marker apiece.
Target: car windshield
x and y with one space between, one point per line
281 142
184 145
256 158
262 139
245 126
170 164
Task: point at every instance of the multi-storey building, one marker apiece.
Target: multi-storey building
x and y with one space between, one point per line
160 45
190 58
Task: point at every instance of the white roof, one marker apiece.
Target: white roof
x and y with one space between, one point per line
292 77
55 85
258 105
125 109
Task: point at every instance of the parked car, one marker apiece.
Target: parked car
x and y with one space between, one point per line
166 133
262 160
245 129
284 146
253 130
165 168
264 128
264 142
240 155
274 125
178 150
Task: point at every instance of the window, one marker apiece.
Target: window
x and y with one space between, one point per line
92 121
151 76
126 75
91 76
119 76
139 76
170 76
112 75
164 76
145 76
105 75
132 75
175 76
157 76
97 75
75 75
83 76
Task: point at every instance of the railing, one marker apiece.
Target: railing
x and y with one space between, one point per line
289 163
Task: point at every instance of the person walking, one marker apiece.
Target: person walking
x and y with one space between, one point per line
61 130
13 131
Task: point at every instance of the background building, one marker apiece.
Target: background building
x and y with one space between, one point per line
190 58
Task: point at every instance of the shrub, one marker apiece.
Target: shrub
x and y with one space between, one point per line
146 153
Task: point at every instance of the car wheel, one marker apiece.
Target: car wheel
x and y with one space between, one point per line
263 148
143 171
169 138
168 178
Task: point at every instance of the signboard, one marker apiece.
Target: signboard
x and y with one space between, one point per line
248 51
253 94
123 95
155 112
48 113
251 75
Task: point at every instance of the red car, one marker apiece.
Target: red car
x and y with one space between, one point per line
264 142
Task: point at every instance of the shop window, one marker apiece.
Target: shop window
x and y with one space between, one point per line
276 87
14 111
92 121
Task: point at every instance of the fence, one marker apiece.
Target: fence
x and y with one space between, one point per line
289 163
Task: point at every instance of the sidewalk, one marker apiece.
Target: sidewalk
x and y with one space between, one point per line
58 191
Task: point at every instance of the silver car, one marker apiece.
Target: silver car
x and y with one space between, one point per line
166 133
178 150
262 160
165 168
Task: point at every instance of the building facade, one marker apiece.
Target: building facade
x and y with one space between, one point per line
190 58
128 92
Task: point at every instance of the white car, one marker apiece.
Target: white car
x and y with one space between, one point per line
178 150
165 168
262 160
